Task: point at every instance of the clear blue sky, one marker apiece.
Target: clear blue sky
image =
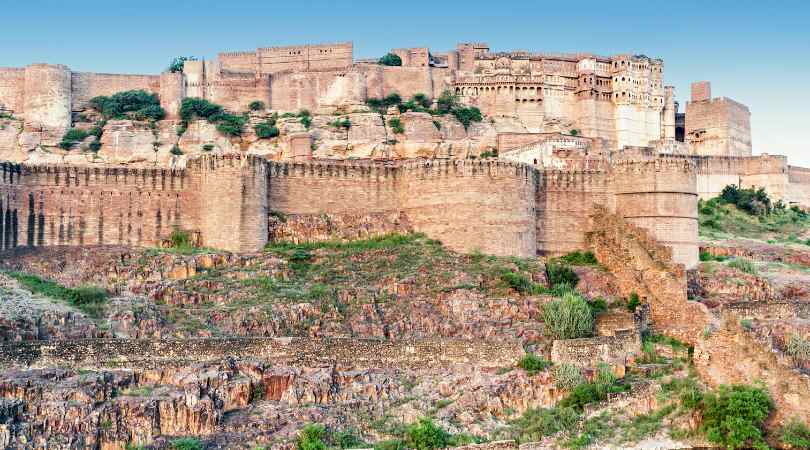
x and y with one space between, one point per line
755 52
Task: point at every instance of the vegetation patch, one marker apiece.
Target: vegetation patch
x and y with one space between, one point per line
568 317
135 105
533 364
751 213
734 416
227 124
88 299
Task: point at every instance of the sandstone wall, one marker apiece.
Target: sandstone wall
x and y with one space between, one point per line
660 196
798 190
300 90
720 127
469 205
86 85
12 81
334 188
47 100
58 205
307 352
644 266
564 201
229 194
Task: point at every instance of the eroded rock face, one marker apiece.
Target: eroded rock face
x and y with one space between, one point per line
369 135
256 401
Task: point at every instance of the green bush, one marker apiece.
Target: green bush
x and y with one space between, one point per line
795 434
256 105
467 115
425 435
192 107
535 424
753 201
580 258
231 124
559 274
88 299
396 125
390 59
574 132
633 302
94 146
532 363
176 65
744 265
344 123
311 437
518 281
734 416
391 444
187 444
421 100
567 376
306 121
446 102
135 104
176 150
208 147
180 239
266 130
72 136
489 154
568 317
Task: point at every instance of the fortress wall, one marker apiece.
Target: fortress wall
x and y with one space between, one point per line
229 195
86 85
172 92
235 93
318 57
48 97
660 196
472 205
407 81
70 205
12 81
331 188
768 171
716 172
295 91
564 202
798 189
246 62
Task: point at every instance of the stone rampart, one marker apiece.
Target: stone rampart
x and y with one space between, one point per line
660 196
306 352
71 205
12 93
86 85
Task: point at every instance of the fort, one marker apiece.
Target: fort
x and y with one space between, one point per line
592 131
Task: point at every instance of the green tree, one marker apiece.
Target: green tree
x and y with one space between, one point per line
390 59
176 65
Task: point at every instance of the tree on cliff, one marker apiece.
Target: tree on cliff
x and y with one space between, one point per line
390 59
177 63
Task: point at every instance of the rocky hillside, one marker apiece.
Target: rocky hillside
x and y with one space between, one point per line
392 342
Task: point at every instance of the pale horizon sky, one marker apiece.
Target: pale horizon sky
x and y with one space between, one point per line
757 53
